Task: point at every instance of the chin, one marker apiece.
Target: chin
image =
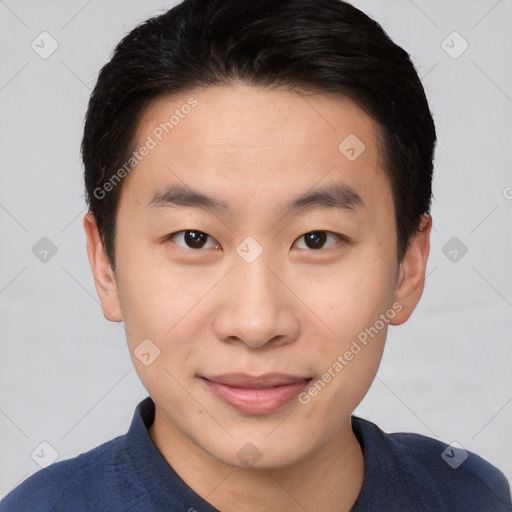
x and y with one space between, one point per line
259 452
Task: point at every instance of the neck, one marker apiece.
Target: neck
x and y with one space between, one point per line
328 479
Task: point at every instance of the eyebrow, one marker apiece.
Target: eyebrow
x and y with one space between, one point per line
335 195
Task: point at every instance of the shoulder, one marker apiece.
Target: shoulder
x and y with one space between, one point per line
77 484
432 471
459 475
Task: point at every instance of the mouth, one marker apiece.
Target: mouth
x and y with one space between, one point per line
256 395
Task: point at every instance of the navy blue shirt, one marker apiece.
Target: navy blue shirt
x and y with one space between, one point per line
403 472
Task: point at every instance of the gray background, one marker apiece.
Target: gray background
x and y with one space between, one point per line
65 374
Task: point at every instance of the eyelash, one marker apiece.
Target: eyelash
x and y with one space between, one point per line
342 238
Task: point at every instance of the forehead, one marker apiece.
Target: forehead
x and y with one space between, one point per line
269 145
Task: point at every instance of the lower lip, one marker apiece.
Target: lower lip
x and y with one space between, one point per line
257 401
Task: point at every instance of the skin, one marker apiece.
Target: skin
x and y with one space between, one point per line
293 310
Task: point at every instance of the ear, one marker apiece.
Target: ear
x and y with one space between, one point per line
104 277
411 275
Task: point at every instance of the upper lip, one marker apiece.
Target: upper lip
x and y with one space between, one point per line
268 380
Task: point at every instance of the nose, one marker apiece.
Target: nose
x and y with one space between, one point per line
256 308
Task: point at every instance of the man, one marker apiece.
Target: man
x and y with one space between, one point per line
258 177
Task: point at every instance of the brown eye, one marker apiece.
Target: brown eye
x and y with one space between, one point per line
192 239
316 239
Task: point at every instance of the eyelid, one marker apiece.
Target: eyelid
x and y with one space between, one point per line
172 235
341 238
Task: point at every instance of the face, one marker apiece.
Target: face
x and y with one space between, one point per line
256 268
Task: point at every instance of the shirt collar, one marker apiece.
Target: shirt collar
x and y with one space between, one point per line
166 490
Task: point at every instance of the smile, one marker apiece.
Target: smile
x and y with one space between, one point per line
264 394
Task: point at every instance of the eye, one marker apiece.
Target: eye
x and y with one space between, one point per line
192 239
316 239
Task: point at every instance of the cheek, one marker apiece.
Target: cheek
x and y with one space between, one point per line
352 295
360 309
149 298
350 302
165 304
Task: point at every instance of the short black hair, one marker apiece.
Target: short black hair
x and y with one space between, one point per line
320 46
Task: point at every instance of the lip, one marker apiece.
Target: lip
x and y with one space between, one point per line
263 394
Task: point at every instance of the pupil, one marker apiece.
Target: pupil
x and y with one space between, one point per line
315 239
195 239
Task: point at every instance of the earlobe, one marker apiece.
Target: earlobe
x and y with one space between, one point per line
104 277
411 275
